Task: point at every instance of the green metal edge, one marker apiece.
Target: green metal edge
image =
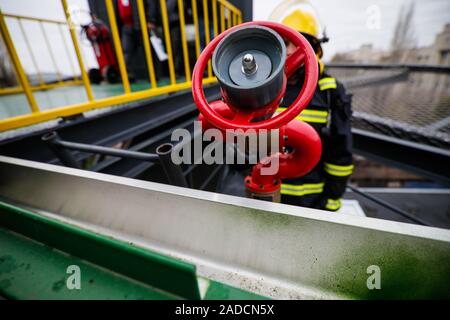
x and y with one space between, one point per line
32 270
220 291
167 274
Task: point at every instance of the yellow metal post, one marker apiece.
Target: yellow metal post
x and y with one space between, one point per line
187 67
8 15
17 65
45 86
197 32
207 38
84 76
165 20
226 9
214 11
229 6
117 45
30 50
52 57
29 119
145 39
222 18
66 48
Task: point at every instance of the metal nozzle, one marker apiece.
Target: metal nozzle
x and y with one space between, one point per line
249 65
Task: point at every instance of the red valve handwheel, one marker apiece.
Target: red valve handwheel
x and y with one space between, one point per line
303 54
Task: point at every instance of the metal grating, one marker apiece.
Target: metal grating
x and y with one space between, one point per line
405 104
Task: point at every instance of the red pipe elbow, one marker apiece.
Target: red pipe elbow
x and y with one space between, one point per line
305 151
303 142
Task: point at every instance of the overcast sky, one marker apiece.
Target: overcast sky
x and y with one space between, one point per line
349 23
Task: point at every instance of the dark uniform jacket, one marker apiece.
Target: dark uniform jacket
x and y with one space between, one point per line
172 12
329 112
148 8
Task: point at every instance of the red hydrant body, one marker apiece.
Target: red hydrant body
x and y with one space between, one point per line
299 152
299 148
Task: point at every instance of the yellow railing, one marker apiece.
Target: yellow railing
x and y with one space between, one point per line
42 85
224 15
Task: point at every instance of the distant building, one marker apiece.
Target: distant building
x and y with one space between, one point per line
366 53
417 102
437 53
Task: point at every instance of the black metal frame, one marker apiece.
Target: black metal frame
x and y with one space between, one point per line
150 123
427 161
390 207
380 66
61 149
140 121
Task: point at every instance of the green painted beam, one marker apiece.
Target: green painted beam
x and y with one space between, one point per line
169 275
220 291
35 253
31 270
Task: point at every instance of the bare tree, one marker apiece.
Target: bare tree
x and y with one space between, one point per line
404 37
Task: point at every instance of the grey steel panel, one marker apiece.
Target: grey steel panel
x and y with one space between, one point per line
273 249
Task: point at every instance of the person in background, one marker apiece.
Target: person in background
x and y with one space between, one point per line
130 30
201 23
329 113
155 19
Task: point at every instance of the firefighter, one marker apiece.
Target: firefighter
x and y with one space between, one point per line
130 31
329 112
173 18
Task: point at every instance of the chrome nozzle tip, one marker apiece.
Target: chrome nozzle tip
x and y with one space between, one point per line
249 64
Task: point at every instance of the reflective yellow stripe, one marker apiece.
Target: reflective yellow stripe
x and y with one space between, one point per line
338 167
316 116
310 119
329 86
327 83
323 113
327 79
302 189
314 112
336 170
333 204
